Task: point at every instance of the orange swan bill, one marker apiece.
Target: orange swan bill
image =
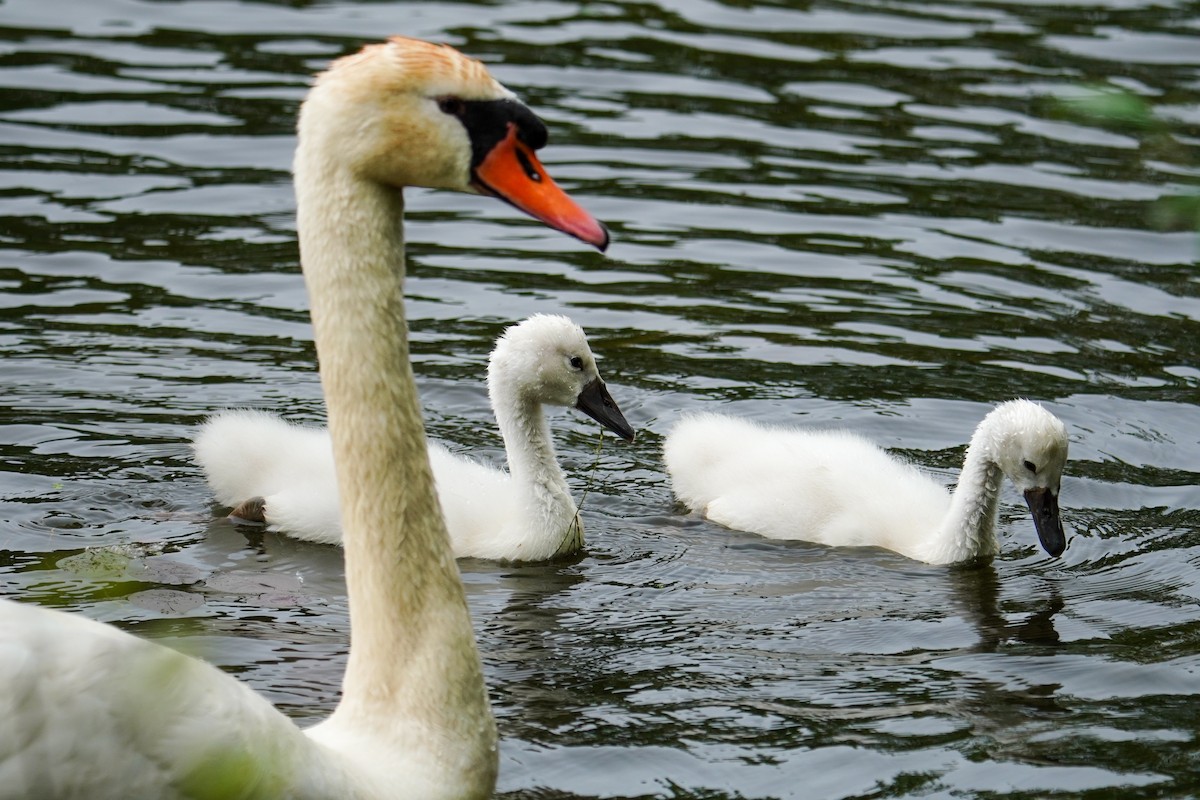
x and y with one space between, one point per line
512 172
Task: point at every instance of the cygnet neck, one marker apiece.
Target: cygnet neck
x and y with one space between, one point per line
533 465
413 667
969 528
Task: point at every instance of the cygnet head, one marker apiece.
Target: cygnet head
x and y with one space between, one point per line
545 359
1029 444
412 113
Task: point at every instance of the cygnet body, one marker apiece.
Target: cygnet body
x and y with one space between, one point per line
282 474
838 488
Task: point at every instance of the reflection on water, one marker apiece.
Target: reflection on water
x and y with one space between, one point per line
861 214
979 590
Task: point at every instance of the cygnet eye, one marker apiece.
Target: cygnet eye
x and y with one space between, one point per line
451 105
576 362
1032 467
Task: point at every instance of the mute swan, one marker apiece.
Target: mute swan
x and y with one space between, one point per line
529 515
91 712
837 488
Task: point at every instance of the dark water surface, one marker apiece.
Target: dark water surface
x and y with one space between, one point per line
855 213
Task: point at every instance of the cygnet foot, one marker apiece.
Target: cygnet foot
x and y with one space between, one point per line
250 512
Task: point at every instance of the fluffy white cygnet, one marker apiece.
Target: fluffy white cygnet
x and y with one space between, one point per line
838 488
282 474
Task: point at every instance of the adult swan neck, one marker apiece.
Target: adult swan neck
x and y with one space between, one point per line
413 680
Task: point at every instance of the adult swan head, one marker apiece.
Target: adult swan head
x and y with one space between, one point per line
408 113
89 711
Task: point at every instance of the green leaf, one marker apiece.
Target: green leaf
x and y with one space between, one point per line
1111 106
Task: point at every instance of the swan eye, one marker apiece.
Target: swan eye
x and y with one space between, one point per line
451 105
1029 465
576 362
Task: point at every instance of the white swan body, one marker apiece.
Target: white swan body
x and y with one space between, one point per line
282 475
87 711
837 488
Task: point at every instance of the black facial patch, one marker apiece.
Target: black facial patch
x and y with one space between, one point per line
487 121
